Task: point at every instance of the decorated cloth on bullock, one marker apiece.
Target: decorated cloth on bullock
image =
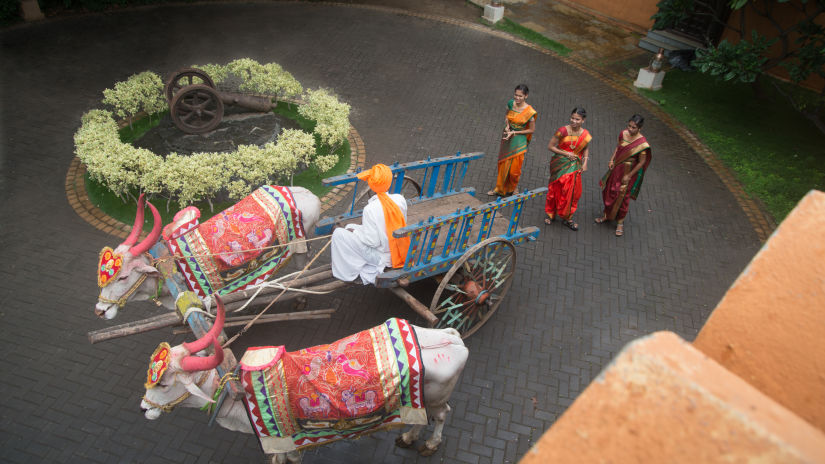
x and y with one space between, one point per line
238 246
369 380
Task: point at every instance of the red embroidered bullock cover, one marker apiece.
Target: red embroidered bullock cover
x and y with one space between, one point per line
316 395
234 249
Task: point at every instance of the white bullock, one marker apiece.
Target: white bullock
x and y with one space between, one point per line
138 279
191 381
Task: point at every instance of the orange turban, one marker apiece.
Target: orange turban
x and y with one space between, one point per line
379 178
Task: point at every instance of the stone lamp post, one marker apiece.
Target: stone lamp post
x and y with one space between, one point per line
494 11
652 76
30 10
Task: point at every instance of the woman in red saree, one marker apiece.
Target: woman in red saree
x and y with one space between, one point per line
626 171
570 153
518 131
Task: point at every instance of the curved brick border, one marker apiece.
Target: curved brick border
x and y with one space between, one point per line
79 199
762 223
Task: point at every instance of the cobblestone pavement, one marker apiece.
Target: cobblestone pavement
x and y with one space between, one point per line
417 87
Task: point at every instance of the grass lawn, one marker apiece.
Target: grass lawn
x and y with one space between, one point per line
775 152
510 27
310 178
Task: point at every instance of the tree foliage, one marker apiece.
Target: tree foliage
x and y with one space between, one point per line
798 47
743 61
753 54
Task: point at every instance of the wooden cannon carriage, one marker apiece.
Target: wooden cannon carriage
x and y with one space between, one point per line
197 106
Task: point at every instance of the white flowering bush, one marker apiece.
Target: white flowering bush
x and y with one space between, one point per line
217 72
266 79
120 166
123 168
326 162
331 116
140 92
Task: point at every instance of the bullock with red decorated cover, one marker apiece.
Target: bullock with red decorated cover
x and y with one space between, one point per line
386 376
241 246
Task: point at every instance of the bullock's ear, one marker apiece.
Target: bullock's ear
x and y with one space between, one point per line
144 268
192 388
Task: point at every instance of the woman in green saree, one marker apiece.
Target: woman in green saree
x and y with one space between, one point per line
519 125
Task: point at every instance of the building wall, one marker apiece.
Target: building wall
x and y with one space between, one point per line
786 15
769 329
634 13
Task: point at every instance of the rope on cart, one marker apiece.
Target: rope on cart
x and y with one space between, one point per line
285 288
277 285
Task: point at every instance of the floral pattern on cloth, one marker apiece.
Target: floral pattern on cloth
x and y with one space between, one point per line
109 267
369 380
158 364
238 246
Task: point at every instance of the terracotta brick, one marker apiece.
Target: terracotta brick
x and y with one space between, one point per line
662 400
769 328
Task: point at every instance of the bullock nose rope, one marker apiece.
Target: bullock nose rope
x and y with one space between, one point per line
168 407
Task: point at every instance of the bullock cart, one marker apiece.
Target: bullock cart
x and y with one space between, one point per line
466 245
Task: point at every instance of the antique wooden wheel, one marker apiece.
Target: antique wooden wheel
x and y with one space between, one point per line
472 290
196 109
184 78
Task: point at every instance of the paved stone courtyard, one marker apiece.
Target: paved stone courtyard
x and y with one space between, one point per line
418 87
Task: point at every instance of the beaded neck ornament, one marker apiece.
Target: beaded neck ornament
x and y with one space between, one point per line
158 365
109 267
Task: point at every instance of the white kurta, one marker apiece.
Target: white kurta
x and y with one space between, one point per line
364 249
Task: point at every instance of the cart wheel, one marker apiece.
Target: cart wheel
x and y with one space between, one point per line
196 109
186 77
474 287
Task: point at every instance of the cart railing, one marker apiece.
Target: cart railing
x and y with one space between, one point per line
442 176
426 257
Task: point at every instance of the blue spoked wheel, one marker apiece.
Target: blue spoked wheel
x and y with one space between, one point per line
472 290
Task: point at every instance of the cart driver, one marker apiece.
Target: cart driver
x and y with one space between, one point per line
368 248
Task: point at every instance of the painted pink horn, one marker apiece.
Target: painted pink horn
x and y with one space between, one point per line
206 340
149 241
205 363
138 227
196 363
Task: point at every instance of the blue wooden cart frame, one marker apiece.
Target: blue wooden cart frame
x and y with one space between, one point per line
440 243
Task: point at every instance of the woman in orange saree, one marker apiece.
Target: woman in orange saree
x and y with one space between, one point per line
518 131
626 171
570 153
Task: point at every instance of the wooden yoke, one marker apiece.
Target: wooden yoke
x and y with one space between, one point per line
185 300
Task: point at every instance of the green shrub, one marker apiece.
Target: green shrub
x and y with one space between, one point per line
124 169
